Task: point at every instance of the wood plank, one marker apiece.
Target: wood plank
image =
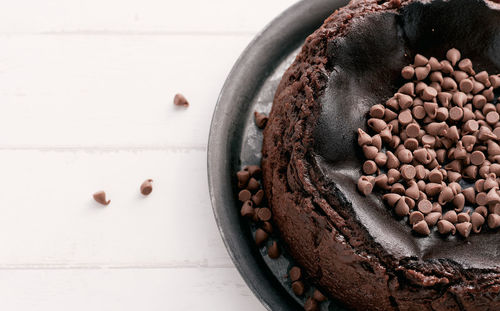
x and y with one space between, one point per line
199 16
126 289
49 219
111 91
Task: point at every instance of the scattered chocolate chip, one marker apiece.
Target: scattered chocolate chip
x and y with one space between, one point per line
311 305
273 250
261 237
295 273
264 214
243 178
244 195
247 209
268 227
318 296
180 100
260 119
253 184
258 197
147 187
298 288
100 197
254 171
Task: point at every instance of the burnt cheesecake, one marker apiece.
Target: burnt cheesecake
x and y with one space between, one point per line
380 156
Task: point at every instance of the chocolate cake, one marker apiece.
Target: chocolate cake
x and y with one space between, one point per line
350 245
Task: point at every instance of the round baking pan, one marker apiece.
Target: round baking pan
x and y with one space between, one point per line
235 141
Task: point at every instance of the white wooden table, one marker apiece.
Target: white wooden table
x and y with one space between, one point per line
86 90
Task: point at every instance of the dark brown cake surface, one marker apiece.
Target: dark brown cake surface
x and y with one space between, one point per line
350 245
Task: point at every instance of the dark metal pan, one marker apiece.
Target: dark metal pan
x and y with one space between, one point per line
235 141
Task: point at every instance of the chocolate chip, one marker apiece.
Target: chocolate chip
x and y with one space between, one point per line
477 158
422 72
478 101
100 197
477 221
415 217
432 218
420 60
261 236
413 191
381 159
493 221
402 209
253 184
244 195
298 288
481 198
264 214
370 152
429 93
254 171
180 100
466 65
392 198
464 228
459 98
363 138
481 210
260 119
422 228
405 117
492 117
459 75
404 155
247 209
463 217
408 172
483 78
243 178
258 197
311 305
318 296
459 202
495 81
425 206
456 113
147 187
365 186
407 72
267 226
450 216
273 250
370 167
453 55
295 274
466 85
445 227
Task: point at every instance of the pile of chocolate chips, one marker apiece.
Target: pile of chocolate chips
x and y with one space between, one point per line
435 151
252 201
251 197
